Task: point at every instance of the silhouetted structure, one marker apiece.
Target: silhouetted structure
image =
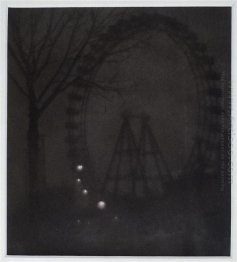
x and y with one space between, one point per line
134 168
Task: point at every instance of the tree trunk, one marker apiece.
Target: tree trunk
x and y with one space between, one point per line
33 157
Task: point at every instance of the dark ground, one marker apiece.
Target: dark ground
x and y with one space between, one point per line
179 223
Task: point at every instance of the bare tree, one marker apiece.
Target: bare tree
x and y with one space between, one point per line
50 49
45 48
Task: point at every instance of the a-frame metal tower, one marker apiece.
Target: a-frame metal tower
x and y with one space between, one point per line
128 173
152 162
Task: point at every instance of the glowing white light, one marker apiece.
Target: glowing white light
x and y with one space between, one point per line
116 218
80 167
84 192
78 180
78 221
101 205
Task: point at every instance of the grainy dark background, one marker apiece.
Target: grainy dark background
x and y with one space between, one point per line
156 79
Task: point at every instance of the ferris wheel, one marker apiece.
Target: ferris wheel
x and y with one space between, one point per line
204 151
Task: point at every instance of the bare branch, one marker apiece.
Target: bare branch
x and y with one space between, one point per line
61 86
76 47
19 43
17 84
16 59
49 54
103 96
124 49
31 54
47 35
62 62
102 87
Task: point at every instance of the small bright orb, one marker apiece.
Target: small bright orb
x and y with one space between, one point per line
101 205
84 192
80 167
78 180
116 218
78 221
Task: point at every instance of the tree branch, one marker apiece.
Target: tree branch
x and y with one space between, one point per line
17 84
31 54
62 62
16 59
46 36
61 86
49 54
19 44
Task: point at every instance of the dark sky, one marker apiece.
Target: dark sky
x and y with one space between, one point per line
156 79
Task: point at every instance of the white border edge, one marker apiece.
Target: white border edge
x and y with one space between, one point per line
4 5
